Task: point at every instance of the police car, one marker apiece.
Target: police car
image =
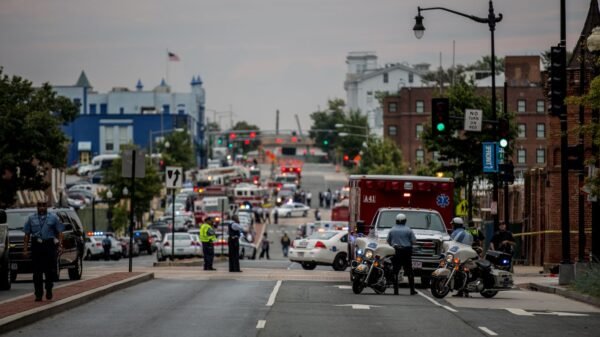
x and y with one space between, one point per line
323 247
94 249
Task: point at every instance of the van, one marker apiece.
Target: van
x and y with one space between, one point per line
100 162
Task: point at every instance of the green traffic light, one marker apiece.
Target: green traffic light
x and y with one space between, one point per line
230 145
325 142
503 143
441 127
220 141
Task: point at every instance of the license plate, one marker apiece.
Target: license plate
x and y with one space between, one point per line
302 244
180 249
417 264
14 266
300 254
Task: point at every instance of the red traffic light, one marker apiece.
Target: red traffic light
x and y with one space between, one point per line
252 134
232 135
247 141
346 157
294 139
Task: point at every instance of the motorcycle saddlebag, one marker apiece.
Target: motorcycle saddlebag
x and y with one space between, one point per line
502 278
498 258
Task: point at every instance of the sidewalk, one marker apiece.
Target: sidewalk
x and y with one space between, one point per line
23 310
533 278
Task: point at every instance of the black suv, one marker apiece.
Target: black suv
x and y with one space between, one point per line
71 257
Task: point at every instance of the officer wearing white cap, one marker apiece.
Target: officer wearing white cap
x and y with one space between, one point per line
402 238
460 234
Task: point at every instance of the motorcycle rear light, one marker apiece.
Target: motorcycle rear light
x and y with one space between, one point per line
320 244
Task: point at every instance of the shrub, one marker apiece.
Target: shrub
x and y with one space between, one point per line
588 282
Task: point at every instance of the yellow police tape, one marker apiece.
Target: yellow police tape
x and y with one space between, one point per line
550 231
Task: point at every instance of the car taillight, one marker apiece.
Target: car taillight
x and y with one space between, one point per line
98 244
320 244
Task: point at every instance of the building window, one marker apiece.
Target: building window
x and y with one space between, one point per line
121 110
392 130
93 109
420 155
385 78
123 137
392 107
521 105
522 130
411 77
420 106
369 96
540 106
522 156
540 131
540 156
109 137
103 108
77 102
418 130
166 109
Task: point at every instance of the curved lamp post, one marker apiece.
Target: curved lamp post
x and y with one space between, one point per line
490 20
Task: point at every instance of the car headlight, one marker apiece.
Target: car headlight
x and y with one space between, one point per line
368 254
359 252
449 258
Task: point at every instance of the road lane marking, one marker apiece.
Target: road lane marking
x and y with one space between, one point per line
343 286
261 324
359 306
437 303
290 266
521 312
274 294
488 331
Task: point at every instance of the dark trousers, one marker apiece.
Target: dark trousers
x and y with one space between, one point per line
234 254
106 253
263 251
208 250
403 259
43 257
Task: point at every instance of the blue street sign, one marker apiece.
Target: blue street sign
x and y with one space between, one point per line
489 156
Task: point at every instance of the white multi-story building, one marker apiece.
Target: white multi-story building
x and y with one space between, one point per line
365 79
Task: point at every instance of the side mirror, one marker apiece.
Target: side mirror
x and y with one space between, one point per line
2 217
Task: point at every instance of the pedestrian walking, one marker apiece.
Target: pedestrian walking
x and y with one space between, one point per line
317 215
275 216
106 245
308 199
402 238
207 238
44 231
266 216
321 197
235 231
285 244
264 247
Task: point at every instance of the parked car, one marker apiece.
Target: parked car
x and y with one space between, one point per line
94 249
145 240
247 248
124 241
292 209
186 245
70 258
328 248
5 280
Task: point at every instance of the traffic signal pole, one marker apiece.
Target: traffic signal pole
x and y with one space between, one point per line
506 198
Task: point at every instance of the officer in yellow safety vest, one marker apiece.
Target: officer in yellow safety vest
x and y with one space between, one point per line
208 237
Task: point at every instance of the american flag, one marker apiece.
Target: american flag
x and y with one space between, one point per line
173 57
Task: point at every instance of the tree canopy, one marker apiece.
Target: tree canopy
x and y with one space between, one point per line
180 151
31 140
381 157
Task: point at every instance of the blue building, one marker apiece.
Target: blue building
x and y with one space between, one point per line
109 120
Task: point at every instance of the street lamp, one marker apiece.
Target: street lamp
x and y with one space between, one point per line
109 213
366 128
491 19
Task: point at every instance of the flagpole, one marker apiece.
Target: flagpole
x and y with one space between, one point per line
167 66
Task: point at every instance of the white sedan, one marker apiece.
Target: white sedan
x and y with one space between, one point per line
186 245
292 209
327 248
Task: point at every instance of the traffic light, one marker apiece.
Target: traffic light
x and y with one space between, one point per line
220 141
247 142
558 80
503 132
252 134
230 145
346 157
232 136
440 116
325 142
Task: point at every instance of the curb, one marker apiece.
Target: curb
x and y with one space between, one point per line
34 315
564 293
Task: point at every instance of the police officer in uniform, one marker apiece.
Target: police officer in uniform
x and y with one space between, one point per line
208 237
459 234
235 231
44 231
402 238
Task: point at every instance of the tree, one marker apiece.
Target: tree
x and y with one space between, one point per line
485 64
253 143
31 140
381 157
145 188
180 151
463 149
357 127
592 100
323 130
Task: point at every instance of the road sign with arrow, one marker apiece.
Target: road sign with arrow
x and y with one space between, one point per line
174 176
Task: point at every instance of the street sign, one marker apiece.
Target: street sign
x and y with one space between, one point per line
473 119
174 176
489 154
127 163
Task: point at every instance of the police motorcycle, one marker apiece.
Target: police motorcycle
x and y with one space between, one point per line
372 266
461 269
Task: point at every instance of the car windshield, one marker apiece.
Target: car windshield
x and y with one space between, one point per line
179 237
322 235
414 219
16 220
211 208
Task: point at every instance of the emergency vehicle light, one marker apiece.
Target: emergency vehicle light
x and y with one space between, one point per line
406 195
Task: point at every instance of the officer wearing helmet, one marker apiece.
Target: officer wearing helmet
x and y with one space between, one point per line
459 234
402 238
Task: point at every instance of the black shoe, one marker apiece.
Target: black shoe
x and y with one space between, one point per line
412 292
212 269
38 299
48 294
396 293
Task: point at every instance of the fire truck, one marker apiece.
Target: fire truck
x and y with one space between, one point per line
368 193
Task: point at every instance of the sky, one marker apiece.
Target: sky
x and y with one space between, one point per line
259 56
